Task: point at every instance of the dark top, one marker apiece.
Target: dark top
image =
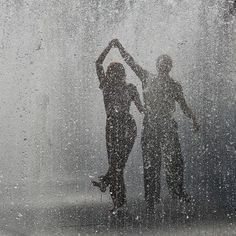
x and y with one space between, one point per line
160 92
117 96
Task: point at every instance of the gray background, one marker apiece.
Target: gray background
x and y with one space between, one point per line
52 114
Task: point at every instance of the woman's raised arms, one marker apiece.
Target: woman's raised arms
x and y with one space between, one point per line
99 67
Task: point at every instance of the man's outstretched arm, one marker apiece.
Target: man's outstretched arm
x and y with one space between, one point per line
186 109
138 70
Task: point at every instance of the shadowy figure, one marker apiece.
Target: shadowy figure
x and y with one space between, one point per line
121 128
160 137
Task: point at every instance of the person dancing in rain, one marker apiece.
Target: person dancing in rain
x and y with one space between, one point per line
121 128
160 130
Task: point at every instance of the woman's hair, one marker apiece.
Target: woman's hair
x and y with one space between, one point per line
115 73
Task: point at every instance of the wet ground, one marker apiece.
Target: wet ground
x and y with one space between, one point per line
74 214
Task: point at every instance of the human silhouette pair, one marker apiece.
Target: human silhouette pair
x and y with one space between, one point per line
159 135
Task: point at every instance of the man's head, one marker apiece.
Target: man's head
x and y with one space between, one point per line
116 72
164 64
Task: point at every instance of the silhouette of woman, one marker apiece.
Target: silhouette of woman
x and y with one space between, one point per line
121 128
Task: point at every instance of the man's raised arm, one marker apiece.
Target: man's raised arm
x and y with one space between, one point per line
138 70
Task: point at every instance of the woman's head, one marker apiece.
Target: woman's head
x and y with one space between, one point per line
116 73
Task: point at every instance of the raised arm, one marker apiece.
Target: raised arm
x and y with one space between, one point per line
99 62
185 108
138 70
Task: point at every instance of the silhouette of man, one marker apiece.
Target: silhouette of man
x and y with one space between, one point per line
160 131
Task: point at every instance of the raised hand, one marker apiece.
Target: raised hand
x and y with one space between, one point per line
118 44
115 43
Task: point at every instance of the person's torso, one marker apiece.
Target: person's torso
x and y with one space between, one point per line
117 99
159 97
